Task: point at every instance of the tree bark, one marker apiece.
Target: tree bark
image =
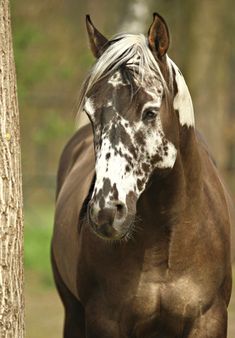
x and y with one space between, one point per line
11 224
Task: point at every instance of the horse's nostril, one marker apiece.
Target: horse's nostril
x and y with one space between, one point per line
121 209
103 218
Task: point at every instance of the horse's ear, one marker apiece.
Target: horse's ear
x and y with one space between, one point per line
158 36
98 42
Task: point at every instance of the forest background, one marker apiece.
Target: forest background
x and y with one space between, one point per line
52 58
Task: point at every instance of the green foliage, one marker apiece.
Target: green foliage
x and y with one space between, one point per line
24 37
38 232
52 127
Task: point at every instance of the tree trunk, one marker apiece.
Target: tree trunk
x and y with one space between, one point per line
11 225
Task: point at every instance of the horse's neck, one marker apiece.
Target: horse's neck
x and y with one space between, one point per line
169 197
191 162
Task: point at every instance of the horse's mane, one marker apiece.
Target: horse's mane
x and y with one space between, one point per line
131 50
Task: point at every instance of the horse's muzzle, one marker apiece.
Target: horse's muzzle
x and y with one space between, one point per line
108 222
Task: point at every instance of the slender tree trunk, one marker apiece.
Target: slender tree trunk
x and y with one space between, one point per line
11 225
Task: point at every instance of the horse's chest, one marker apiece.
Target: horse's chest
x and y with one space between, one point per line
140 301
155 304
145 304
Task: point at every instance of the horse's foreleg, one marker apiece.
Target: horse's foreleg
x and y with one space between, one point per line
211 324
74 321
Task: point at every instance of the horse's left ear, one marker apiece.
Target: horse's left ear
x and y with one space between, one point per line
98 42
158 36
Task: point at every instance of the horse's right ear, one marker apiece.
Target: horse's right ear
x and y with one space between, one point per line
158 36
98 42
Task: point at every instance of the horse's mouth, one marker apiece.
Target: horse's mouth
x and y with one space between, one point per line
111 233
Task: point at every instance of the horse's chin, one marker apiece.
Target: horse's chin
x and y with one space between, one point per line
120 232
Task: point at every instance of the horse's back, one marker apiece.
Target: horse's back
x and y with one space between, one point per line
75 174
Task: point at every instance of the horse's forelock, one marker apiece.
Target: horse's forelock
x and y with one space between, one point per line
125 49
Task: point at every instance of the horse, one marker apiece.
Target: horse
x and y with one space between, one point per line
141 241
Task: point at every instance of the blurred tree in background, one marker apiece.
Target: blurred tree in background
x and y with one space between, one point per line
52 59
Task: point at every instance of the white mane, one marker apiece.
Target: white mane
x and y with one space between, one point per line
126 47
182 101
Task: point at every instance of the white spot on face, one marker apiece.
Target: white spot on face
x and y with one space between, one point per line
182 101
116 79
109 103
169 159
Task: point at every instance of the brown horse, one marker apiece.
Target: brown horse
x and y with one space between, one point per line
141 244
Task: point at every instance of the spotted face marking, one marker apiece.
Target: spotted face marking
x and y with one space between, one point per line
130 142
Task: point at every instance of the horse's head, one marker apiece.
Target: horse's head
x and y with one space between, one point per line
134 98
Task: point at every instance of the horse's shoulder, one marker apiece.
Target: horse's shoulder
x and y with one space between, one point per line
75 174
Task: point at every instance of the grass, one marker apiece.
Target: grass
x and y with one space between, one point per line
37 237
44 312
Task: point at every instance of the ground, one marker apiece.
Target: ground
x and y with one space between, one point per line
44 312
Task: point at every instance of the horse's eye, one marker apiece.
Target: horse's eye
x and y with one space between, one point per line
149 115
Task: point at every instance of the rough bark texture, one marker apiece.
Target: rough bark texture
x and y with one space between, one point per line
11 227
